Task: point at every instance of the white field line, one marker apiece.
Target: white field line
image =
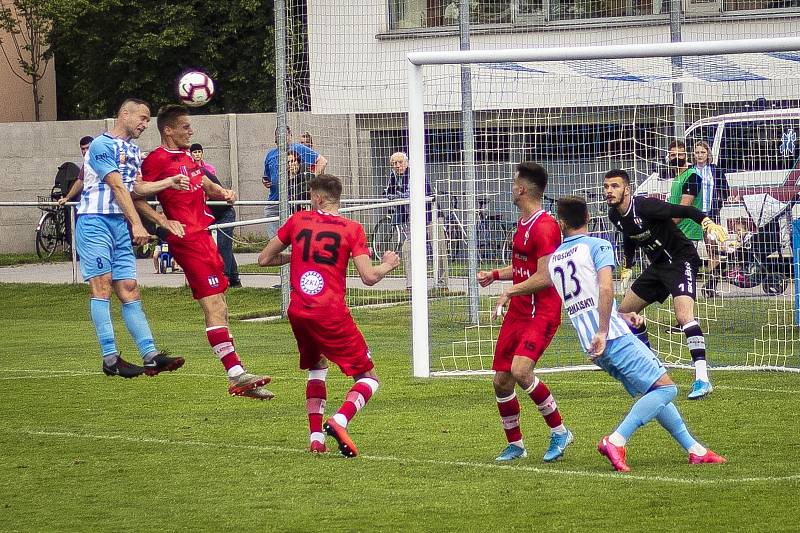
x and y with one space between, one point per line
518 467
41 374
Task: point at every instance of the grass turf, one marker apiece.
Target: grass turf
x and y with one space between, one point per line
90 453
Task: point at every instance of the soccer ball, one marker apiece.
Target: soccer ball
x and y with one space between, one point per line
195 88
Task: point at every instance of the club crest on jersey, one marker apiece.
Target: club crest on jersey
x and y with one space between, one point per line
122 157
311 283
213 281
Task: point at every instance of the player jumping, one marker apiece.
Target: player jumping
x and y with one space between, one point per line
322 243
674 263
533 317
581 270
196 251
111 179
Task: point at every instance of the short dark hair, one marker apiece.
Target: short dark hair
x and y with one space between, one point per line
327 184
168 114
572 211
677 143
533 173
195 147
618 173
86 139
137 101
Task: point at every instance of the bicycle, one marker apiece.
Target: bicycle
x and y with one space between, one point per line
494 235
388 234
51 230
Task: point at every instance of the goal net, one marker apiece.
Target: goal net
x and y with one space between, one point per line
582 116
347 86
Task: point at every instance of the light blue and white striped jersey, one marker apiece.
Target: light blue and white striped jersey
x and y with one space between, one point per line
573 269
707 186
107 154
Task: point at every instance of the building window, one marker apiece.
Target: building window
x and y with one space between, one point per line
409 14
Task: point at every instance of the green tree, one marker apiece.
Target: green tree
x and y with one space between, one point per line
28 26
107 50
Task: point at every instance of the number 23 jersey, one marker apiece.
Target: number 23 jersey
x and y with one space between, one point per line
322 244
573 269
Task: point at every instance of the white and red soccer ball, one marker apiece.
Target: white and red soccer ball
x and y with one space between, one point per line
195 88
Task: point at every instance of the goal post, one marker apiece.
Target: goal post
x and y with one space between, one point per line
779 338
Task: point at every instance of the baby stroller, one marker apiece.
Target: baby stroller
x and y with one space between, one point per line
758 257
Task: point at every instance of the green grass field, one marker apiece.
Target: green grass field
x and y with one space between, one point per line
83 452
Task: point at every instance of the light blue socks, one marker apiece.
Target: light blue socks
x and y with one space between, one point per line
136 322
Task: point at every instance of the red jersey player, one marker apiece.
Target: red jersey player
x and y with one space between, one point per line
533 317
322 243
196 252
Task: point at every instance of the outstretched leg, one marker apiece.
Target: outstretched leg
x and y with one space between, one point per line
366 385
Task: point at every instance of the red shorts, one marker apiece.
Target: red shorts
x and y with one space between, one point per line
526 337
338 339
201 263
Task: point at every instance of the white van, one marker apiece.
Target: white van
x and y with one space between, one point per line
759 151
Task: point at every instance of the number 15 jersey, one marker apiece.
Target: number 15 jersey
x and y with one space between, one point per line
322 244
573 268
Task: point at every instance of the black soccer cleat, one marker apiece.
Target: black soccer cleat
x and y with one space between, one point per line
123 369
162 362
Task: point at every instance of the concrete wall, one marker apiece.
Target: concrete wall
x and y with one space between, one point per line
16 96
30 154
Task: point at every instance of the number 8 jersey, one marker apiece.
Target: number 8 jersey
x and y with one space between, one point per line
322 244
573 268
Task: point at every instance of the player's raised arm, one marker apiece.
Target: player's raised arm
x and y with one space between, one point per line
148 188
372 274
271 254
539 281
218 192
487 277
147 211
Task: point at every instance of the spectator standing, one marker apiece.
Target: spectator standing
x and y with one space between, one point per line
715 192
76 188
223 214
314 162
398 187
299 177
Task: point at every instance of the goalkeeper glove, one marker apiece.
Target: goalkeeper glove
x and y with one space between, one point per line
715 231
625 275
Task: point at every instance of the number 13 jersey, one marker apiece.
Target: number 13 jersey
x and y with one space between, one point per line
573 268
322 244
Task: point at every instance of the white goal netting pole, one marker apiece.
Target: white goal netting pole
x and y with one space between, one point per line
416 124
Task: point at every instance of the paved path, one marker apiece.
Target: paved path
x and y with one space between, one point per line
62 272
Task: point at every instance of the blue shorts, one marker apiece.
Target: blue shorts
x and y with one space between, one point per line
104 245
628 360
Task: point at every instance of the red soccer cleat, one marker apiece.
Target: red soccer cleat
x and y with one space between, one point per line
615 454
709 458
244 383
317 447
346 445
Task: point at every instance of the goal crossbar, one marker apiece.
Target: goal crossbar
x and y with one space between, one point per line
416 132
